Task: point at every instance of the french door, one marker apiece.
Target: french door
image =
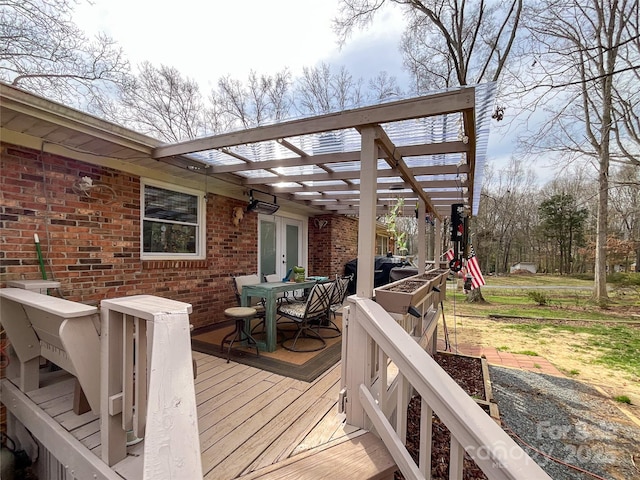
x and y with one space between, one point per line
281 244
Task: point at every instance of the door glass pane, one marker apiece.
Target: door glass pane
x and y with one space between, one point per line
267 248
292 246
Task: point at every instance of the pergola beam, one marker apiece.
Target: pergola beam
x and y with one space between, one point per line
456 196
438 104
434 184
429 149
380 211
354 174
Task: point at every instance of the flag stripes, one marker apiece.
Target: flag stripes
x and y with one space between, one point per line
473 267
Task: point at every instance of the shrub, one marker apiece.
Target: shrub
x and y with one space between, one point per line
540 298
623 279
623 399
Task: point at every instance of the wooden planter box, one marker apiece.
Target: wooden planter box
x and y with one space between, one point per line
398 296
487 403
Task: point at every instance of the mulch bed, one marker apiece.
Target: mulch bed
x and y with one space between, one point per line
408 286
467 372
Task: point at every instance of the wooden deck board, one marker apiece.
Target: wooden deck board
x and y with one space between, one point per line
240 428
249 419
324 430
245 410
343 430
219 388
272 428
70 421
220 406
284 445
54 390
57 406
361 456
81 433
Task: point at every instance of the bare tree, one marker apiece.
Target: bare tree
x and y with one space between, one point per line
383 87
625 207
44 51
320 90
161 103
579 46
262 100
447 42
504 214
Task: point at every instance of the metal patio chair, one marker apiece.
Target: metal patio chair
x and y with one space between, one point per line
338 294
315 308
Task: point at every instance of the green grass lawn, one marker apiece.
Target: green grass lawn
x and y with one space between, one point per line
612 334
563 303
535 280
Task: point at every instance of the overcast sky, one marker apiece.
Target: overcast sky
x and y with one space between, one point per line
207 40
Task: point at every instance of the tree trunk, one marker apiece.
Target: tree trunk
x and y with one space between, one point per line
600 278
475 296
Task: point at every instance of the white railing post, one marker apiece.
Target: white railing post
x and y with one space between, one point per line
113 436
172 443
147 385
426 430
456 459
358 367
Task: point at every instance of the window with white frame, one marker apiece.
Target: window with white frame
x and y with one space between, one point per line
173 222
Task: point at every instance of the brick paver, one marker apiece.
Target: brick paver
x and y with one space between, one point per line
507 359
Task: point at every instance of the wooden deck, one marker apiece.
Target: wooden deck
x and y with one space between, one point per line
252 423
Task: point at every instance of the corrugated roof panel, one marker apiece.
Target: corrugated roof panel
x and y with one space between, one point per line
430 160
485 95
322 183
301 170
268 176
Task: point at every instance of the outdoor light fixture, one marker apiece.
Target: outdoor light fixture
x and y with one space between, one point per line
260 206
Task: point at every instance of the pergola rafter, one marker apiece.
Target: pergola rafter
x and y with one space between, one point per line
426 152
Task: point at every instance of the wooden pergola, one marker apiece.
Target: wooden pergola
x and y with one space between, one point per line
428 151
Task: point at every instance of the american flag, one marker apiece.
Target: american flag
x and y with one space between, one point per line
477 280
449 254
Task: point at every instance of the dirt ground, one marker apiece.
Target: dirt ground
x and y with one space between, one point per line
567 351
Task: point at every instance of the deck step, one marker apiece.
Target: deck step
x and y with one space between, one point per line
362 457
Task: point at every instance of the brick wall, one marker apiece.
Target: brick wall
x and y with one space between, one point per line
92 245
333 245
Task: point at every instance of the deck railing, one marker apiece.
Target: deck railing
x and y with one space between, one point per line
373 340
147 387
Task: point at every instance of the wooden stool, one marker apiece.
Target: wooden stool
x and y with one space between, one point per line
240 315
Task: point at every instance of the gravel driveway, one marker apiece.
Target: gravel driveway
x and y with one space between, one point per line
568 420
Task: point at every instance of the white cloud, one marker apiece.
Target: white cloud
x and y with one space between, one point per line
206 40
